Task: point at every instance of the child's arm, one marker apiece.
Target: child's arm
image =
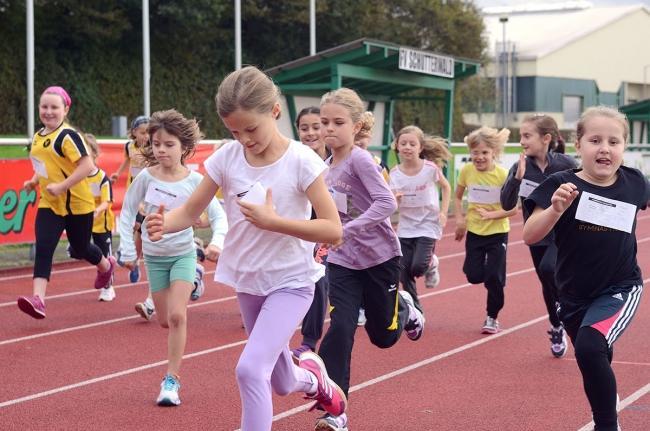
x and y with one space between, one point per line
31 183
326 228
84 167
510 189
100 209
125 162
445 191
219 225
461 223
541 221
183 217
495 214
134 195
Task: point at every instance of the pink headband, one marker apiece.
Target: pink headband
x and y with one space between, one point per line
61 92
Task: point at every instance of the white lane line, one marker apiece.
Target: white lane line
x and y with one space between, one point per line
228 298
242 342
102 323
420 364
623 404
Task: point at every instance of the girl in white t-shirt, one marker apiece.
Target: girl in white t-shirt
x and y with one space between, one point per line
269 185
422 216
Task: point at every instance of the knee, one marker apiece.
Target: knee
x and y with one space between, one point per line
176 319
384 342
590 347
248 373
474 277
419 268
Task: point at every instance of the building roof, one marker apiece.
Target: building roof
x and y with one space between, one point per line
541 31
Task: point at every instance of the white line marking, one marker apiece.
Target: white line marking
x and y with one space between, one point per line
623 404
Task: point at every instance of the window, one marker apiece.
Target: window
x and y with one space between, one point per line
571 108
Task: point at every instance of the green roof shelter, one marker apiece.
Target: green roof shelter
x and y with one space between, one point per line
381 72
638 114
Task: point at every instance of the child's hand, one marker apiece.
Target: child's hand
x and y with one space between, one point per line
336 245
521 166
155 223
55 189
564 197
442 219
114 176
29 185
262 216
398 197
130 265
212 252
461 228
485 213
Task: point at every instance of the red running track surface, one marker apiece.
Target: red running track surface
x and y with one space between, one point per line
93 365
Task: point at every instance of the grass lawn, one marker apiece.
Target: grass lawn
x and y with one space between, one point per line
13 152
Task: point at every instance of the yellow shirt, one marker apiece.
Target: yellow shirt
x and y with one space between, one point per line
483 190
54 157
136 160
102 191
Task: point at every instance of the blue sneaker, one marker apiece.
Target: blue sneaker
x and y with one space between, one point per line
134 275
169 392
199 287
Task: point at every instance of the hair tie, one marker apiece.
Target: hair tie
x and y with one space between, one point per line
138 121
60 91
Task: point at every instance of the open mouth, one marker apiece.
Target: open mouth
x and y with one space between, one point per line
605 162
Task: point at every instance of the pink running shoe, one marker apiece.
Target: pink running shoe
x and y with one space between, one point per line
328 395
32 305
104 279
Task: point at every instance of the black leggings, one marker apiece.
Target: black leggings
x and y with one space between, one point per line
102 240
544 259
49 228
416 258
594 359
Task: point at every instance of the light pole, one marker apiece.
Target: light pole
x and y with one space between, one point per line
504 68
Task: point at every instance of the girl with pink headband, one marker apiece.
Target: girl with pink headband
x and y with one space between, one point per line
62 163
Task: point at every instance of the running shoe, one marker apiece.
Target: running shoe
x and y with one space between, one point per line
415 324
104 279
332 423
328 395
169 388
300 350
198 244
107 294
432 276
490 326
361 320
199 287
134 274
32 305
558 341
145 309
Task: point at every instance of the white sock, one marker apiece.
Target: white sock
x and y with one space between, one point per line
313 384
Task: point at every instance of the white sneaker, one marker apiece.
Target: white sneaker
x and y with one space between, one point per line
361 320
199 287
145 309
169 388
107 294
415 324
491 326
432 276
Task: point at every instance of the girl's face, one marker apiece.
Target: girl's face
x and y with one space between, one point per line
533 144
52 111
309 131
362 142
167 148
601 149
482 157
140 134
338 130
252 129
409 147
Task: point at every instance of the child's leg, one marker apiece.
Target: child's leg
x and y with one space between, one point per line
544 259
474 264
171 304
603 323
387 314
49 228
495 272
266 361
312 324
407 277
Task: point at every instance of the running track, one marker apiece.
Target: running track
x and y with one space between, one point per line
98 366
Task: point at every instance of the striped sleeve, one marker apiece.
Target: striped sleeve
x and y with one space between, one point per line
70 144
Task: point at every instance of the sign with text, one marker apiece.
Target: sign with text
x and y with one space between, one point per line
426 62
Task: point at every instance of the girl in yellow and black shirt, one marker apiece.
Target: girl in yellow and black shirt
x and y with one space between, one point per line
61 164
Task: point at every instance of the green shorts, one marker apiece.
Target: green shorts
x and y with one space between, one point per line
162 270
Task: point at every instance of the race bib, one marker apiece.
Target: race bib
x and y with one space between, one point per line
96 189
256 195
341 201
526 187
416 198
479 194
606 212
156 195
39 167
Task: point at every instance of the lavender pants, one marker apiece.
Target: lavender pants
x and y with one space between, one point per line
266 363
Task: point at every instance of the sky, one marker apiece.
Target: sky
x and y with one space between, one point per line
489 3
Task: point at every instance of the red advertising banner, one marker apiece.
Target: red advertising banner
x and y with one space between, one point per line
18 208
